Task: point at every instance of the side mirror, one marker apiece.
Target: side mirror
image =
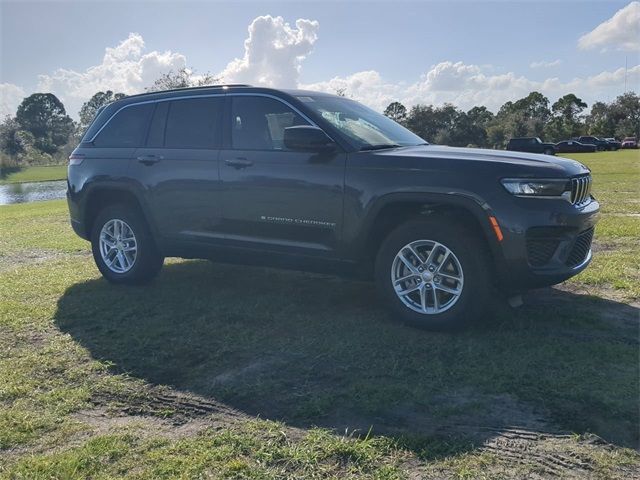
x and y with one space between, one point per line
305 138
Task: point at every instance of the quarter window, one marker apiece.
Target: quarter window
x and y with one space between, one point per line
258 123
194 123
127 128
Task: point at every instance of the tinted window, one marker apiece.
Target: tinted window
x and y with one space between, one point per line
258 123
127 128
194 123
158 122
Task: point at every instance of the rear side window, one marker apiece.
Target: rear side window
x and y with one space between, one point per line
127 128
194 123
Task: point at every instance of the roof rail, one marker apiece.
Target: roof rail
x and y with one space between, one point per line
179 89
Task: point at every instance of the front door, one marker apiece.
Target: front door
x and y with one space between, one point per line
273 198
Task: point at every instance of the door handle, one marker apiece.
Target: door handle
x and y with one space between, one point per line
149 159
240 162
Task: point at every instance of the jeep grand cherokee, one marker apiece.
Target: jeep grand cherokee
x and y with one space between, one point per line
312 181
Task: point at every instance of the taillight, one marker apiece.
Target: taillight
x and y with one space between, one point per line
76 158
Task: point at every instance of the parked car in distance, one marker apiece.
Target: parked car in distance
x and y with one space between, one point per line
601 145
630 142
573 146
613 144
318 182
531 145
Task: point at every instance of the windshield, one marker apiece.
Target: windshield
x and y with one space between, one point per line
366 128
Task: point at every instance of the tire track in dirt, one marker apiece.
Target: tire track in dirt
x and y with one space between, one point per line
177 408
525 447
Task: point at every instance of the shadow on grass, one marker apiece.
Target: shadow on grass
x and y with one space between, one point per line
313 350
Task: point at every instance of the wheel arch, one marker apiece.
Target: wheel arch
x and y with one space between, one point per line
100 196
394 209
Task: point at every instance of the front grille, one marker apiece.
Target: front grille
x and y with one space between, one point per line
540 250
580 189
580 249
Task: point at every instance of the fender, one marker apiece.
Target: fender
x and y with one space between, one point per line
91 188
477 207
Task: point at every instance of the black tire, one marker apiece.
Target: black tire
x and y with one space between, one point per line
548 151
148 261
473 257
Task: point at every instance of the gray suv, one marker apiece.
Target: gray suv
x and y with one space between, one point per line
311 181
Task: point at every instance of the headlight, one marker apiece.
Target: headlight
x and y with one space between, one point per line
544 187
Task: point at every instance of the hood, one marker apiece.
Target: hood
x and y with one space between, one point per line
549 163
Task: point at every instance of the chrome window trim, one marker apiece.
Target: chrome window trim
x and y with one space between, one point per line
188 97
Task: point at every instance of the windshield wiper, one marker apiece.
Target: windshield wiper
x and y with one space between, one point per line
381 146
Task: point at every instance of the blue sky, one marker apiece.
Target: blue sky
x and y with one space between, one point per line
430 52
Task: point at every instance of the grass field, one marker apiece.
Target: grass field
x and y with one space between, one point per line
32 174
217 371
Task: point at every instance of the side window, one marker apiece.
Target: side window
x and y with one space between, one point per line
127 128
155 138
194 123
258 123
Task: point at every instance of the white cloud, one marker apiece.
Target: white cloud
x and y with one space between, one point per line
620 32
273 52
543 64
124 68
10 97
468 85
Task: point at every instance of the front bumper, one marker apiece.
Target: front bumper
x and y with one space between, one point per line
543 247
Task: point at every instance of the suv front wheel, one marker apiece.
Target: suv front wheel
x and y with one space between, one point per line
122 246
434 273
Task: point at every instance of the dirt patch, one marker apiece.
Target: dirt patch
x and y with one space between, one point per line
21 259
102 421
609 299
550 454
603 246
170 406
516 434
464 413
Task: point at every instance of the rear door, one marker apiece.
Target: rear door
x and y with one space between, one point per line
116 141
274 198
178 167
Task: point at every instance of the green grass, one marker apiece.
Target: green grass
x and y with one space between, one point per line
216 371
32 174
617 187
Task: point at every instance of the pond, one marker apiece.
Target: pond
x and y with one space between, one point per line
32 192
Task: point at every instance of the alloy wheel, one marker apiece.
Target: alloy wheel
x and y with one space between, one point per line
427 277
118 246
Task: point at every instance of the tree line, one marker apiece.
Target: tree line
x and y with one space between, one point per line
41 132
531 116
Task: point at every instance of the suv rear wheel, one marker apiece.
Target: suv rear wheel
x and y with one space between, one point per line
434 274
122 246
